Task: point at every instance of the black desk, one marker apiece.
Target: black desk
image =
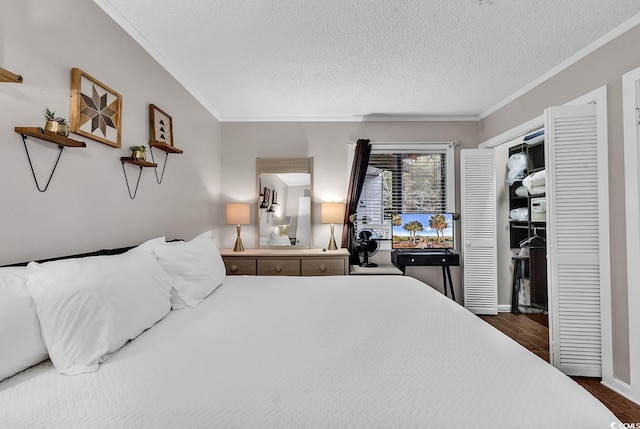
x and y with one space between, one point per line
428 258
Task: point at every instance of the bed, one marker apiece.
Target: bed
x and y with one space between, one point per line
309 352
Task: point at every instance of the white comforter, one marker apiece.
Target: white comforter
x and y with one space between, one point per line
325 352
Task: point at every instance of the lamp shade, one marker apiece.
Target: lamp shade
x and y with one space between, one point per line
332 212
238 213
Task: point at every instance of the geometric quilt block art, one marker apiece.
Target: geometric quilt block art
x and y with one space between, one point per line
96 109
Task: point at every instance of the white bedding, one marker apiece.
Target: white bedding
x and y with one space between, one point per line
319 352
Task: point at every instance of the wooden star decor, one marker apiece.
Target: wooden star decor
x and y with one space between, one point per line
96 109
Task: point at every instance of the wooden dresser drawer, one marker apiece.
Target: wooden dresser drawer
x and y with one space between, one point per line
278 267
240 266
286 262
323 267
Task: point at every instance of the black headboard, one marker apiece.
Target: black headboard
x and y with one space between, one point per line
103 252
80 255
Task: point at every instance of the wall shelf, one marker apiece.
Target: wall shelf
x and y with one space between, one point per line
49 136
167 149
39 133
7 76
137 162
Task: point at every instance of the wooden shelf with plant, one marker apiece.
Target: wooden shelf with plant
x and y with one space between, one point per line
7 76
56 130
138 162
43 134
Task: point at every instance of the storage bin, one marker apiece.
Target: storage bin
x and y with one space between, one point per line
538 209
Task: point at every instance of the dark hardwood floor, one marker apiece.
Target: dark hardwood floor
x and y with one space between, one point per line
532 331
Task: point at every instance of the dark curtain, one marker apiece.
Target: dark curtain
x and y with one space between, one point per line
356 182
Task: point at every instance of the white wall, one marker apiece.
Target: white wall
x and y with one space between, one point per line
327 143
604 66
87 206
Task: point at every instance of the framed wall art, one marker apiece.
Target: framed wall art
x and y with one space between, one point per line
266 198
161 126
96 109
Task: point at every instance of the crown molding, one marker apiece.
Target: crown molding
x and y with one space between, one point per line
363 118
132 31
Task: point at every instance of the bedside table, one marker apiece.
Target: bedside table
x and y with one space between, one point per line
286 262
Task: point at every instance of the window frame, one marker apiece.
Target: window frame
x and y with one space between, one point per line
446 148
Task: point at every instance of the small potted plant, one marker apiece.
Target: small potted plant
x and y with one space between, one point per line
55 124
138 152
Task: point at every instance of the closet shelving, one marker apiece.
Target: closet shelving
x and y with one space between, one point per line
520 230
533 266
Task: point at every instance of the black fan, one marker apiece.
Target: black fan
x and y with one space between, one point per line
366 244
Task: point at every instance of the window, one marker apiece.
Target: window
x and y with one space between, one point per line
407 178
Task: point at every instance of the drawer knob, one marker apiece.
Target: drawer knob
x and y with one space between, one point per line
323 267
278 268
444 260
234 268
413 260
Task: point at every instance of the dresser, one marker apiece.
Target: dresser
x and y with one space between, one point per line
276 262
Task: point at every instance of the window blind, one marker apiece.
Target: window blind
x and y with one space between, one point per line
401 183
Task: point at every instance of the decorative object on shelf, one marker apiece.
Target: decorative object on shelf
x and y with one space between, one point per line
238 214
268 202
161 125
266 195
7 76
55 124
96 109
138 152
138 162
39 133
332 213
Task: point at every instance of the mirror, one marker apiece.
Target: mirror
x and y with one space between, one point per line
285 201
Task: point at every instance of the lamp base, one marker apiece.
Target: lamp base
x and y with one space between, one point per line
238 247
332 241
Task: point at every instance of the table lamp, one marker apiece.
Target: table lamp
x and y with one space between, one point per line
238 214
283 222
332 213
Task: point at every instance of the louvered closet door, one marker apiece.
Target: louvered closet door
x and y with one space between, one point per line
577 226
479 243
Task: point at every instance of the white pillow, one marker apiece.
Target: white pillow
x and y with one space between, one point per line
90 307
20 342
279 240
149 245
195 267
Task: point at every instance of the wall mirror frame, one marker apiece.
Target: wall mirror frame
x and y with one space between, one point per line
284 207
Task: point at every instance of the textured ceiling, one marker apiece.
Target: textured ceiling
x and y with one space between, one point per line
345 59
